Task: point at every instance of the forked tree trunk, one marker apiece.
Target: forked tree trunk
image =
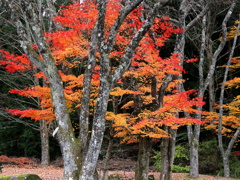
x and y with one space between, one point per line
167 154
142 169
29 26
194 132
225 153
45 158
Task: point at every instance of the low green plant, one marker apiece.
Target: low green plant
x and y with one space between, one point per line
21 177
181 157
157 160
115 177
234 164
180 169
210 160
234 167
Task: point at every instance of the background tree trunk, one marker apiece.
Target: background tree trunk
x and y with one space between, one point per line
194 159
167 154
45 158
225 154
142 168
107 157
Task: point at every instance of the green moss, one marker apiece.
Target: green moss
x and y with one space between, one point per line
21 177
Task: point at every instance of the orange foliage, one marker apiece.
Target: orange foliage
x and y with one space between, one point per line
230 119
70 50
231 111
147 64
149 123
14 62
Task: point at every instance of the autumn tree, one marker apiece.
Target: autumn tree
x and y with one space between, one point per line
9 41
80 154
20 65
152 110
188 14
216 53
205 76
226 122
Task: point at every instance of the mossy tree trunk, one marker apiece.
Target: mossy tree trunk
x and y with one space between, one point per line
142 168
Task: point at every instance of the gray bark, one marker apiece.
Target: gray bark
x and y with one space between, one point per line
108 156
194 134
68 143
168 144
32 32
84 111
225 153
166 173
167 154
194 144
45 157
142 167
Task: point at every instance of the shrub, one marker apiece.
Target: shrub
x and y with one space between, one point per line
181 159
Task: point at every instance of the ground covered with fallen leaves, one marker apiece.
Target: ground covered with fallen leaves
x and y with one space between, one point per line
54 172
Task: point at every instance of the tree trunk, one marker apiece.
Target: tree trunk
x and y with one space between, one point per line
142 169
167 154
30 26
45 158
108 155
71 161
225 154
98 129
226 166
194 160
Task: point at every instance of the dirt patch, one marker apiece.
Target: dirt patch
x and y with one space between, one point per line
119 164
122 167
54 173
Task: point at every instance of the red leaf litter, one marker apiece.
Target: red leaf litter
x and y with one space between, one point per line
28 166
53 172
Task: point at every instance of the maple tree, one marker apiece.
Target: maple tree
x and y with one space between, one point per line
98 53
73 45
165 115
20 65
70 48
148 114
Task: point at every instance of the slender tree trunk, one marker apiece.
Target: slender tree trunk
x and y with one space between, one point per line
167 154
165 168
194 133
226 166
108 155
142 169
45 158
225 154
98 129
194 160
